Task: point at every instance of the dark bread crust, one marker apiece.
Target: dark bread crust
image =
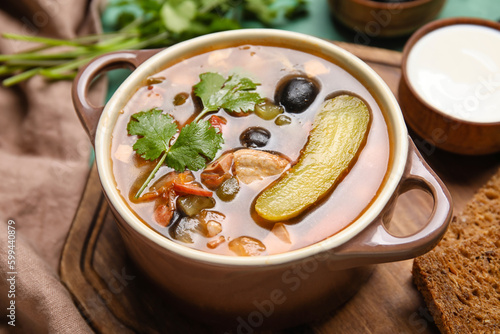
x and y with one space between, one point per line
460 278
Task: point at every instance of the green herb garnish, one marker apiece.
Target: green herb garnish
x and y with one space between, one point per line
196 142
155 130
233 94
138 24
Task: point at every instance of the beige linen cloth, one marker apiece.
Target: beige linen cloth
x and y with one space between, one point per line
44 163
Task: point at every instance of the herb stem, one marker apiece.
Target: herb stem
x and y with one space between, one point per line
149 29
21 77
5 70
43 40
28 62
151 175
201 114
64 65
43 56
51 42
74 64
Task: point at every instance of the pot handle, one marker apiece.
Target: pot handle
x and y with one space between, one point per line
88 113
376 245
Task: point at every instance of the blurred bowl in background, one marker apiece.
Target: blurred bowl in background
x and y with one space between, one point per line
450 85
370 18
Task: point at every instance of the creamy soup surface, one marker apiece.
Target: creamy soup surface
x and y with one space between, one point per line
268 66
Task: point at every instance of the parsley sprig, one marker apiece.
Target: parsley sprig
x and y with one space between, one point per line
156 130
233 94
197 141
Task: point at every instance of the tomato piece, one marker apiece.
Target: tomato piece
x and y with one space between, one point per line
217 122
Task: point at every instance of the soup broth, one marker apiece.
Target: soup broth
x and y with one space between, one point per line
171 90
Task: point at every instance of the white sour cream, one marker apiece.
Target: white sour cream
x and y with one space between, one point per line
456 69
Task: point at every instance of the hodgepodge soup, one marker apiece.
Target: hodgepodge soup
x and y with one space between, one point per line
271 154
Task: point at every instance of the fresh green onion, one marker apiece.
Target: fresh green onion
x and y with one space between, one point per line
141 24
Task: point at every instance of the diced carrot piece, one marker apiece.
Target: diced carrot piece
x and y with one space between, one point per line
149 196
216 242
191 189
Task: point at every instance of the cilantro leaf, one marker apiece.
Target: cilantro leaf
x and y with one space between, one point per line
155 130
197 142
233 94
210 83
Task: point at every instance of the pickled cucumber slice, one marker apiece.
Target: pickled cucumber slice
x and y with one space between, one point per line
338 131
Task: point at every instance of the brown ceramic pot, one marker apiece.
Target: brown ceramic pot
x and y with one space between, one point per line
246 293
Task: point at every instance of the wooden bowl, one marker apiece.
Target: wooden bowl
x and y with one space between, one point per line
370 18
438 128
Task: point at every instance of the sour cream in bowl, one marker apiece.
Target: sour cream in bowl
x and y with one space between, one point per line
450 86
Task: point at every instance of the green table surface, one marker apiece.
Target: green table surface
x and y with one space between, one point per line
319 23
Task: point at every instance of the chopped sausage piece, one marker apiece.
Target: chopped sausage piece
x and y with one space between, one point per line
164 211
163 215
164 191
191 189
254 165
217 172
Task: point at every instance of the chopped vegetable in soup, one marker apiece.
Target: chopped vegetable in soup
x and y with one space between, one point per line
250 150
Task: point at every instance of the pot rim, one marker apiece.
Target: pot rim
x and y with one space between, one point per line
369 78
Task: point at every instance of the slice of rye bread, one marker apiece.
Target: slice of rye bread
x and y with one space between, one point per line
460 278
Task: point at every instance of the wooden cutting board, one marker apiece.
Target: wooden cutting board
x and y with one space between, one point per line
114 296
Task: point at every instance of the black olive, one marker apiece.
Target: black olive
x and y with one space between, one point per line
255 137
297 94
